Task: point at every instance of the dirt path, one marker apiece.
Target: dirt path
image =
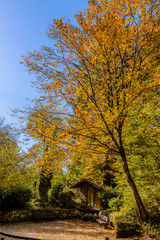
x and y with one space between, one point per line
58 230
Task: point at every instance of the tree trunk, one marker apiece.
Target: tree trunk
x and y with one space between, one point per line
107 175
108 178
141 209
44 186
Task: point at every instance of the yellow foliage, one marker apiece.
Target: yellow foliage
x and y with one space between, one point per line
102 69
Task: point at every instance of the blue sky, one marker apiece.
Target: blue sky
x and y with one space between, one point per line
23 26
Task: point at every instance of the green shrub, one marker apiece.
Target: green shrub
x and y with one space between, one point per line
128 211
107 194
150 231
115 203
62 197
15 198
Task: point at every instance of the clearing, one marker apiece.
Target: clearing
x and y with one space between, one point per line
58 230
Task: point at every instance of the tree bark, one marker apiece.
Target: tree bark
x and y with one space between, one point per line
108 177
44 186
141 209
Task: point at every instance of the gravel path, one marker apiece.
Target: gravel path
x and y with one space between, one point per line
58 230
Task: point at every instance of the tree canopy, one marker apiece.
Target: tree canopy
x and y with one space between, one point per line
99 76
12 160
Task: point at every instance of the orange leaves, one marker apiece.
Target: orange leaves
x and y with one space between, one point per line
95 74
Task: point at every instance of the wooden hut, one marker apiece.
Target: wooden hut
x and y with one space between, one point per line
89 194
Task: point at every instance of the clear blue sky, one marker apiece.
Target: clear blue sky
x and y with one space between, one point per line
23 24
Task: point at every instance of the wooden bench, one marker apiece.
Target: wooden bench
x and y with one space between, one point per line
103 221
43 216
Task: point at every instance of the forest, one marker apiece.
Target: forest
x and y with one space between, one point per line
96 117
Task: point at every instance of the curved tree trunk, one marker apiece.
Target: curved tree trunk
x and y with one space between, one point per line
141 209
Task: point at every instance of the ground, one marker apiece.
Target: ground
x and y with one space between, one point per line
58 230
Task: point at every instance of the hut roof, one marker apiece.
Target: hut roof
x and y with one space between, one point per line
86 181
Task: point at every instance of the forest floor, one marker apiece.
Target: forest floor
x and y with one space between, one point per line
58 230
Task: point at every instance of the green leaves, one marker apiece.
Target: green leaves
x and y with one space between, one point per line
12 160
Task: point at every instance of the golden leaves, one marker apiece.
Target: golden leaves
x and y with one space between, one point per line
100 71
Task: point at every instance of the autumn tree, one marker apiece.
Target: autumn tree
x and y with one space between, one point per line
104 68
142 149
12 160
47 156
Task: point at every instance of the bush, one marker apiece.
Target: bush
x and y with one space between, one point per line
115 203
62 197
107 194
150 231
15 198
